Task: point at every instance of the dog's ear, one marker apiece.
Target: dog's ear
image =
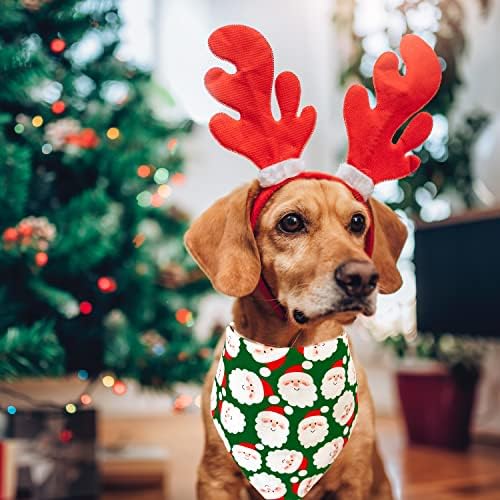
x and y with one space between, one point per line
221 241
390 236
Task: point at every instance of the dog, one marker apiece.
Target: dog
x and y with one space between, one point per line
309 247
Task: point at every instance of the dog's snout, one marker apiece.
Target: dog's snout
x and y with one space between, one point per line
357 278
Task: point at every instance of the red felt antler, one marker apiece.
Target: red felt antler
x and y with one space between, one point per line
256 135
399 97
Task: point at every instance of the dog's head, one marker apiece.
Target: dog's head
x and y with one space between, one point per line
308 245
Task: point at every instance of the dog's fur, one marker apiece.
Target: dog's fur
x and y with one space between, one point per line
299 269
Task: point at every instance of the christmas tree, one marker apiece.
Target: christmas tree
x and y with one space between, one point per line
94 273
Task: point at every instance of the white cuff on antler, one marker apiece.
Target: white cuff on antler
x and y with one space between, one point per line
356 179
278 172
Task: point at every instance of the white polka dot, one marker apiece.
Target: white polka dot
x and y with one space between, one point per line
346 430
294 479
307 365
274 400
344 359
324 409
265 371
288 410
259 446
223 391
302 473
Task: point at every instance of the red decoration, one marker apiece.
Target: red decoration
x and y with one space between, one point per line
57 45
10 235
106 284
399 97
178 179
256 135
25 230
183 315
144 171
119 388
41 259
58 107
85 139
65 436
85 307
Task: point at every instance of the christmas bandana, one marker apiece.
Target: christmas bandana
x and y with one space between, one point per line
284 413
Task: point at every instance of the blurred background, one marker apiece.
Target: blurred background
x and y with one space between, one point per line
107 326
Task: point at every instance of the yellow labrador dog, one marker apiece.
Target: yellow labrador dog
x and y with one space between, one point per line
309 247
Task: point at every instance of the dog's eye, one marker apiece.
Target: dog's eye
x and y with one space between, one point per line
291 223
357 224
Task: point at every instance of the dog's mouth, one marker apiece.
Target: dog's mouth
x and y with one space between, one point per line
365 306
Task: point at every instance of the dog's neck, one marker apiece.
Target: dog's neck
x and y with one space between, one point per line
256 320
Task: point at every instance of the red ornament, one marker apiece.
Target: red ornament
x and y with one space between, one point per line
178 179
119 388
25 230
85 139
183 315
65 436
57 45
10 235
106 284
41 259
58 107
85 307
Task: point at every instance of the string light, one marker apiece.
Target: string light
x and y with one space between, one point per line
19 128
65 436
11 410
161 176
47 149
157 200
10 235
86 399
106 284
144 199
37 121
138 240
83 374
172 144
182 402
57 45
164 190
143 171
183 316
41 259
58 107
182 356
70 408
85 307
113 133
119 388
108 381
178 179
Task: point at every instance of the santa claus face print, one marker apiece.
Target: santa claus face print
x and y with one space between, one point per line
307 484
344 408
246 387
219 374
232 343
265 354
247 458
312 431
269 486
319 352
272 428
284 461
297 389
232 418
333 383
326 455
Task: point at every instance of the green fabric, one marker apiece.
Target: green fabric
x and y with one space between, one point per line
308 395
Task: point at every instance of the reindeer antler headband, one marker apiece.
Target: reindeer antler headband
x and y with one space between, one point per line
275 146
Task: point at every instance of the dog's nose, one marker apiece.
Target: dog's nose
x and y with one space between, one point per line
357 278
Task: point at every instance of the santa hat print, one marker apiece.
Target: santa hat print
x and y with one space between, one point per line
295 369
274 365
313 413
338 364
248 445
276 409
268 390
303 464
275 146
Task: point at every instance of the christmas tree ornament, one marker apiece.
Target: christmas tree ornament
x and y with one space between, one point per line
113 133
41 259
85 307
106 284
57 45
37 121
276 146
58 107
285 414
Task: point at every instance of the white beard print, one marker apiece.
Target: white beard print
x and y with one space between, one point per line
247 458
232 418
321 351
351 372
232 343
272 428
265 354
297 389
219 430
269 486
213 398
344 408
219 374
312 431
326 455
284 461
246 387
333 383
307 484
